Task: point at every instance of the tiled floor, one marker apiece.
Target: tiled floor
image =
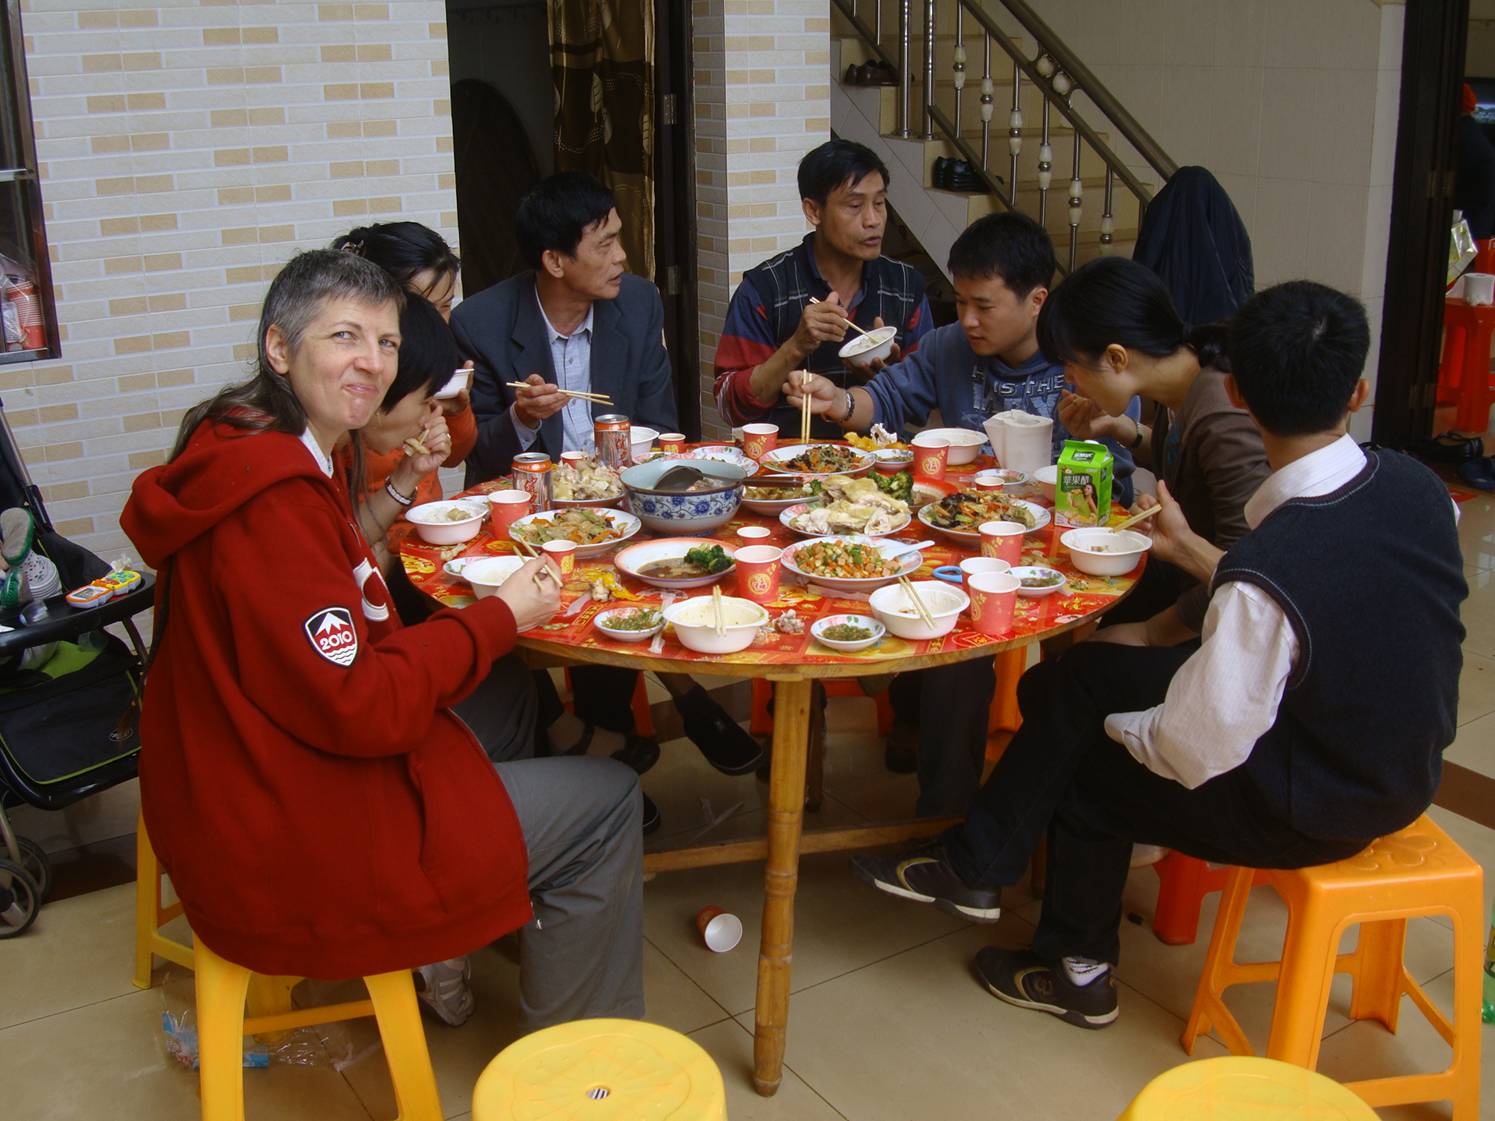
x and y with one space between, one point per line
886 1023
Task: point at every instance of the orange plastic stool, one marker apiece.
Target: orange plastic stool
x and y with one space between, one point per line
761 721
1464 369
643 714
1005 716
1183 882
1417 871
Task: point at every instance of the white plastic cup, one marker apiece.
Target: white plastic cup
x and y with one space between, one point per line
973 566
754 534
1479 288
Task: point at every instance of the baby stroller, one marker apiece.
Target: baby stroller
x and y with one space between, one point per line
67 725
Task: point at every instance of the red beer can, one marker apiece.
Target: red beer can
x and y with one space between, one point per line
614 447
532 474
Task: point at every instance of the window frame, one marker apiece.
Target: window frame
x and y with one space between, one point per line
28 177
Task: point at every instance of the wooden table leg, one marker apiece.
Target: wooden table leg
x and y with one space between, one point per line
786 812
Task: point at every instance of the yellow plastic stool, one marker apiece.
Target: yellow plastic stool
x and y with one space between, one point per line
1237 1089
1417 871
221 991
601 1070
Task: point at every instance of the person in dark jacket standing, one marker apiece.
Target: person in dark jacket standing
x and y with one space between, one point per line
1310 721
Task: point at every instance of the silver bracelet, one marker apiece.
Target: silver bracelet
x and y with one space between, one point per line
389 489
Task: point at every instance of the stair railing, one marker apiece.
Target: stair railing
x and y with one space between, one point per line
1056 72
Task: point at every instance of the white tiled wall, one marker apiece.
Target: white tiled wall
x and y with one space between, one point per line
187 150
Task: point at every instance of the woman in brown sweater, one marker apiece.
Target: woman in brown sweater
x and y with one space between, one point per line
1113 326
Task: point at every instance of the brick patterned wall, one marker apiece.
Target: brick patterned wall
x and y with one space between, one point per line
187 150
762 100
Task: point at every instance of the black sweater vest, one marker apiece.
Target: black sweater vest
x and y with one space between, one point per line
1370 578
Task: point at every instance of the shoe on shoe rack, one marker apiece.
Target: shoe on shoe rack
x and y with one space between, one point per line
444 988
879 73
1021 978
937 173
726 745
901 753
924 874
961 176
638 753
651 816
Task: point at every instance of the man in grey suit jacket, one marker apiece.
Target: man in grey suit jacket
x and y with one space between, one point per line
576 321
579 321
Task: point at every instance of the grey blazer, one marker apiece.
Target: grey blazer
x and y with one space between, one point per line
502 331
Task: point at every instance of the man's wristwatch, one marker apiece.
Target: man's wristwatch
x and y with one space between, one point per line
1137 439
851 407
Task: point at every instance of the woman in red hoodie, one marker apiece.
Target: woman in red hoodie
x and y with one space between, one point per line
319 809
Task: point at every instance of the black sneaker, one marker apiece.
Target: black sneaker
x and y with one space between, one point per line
724 743
925 876
638 753
1022 978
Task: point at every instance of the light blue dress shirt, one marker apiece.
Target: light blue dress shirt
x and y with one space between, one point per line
571 358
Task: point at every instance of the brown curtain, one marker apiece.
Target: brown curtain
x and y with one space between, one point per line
602 61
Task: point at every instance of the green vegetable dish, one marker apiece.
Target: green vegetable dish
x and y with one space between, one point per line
709 558
1046 580
846 632
899 486
641 619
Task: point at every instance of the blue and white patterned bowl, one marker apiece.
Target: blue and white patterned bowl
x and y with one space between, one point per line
684 515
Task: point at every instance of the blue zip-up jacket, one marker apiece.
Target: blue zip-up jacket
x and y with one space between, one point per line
945 374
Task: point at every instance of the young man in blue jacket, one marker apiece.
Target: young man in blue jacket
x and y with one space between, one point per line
985 363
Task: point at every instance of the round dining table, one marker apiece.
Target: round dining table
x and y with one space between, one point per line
793 661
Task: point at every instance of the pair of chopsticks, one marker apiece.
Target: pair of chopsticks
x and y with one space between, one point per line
596 398
907 585
1135 518
716 610
804 415
528 550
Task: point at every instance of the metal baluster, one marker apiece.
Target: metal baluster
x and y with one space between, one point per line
928 133
1045 167
959 67
903 76
1076 198
1015 128
877 23
986 104
1107 219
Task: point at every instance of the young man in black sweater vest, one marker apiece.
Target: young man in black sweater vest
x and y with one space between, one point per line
1310 720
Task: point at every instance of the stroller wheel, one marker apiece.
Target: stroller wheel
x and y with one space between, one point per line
19 900
34 859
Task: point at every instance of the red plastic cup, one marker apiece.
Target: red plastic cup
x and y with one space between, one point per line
564 555
758 572
672 443
931 456
759 439
993 599
505 507
720 930
575 459
1003 540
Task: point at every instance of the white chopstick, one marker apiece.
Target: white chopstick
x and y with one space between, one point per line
908 588
849 321
716 610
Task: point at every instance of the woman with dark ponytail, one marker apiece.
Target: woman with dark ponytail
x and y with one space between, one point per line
1113 326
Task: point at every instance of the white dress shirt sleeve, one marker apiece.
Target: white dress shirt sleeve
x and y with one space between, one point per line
1223 699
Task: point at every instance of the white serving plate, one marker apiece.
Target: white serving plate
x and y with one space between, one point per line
909 563
793 511
635 557
774 461
1041 519
619 519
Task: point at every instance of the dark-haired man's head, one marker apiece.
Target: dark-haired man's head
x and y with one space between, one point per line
843 188
1297 352
568 229
1001 267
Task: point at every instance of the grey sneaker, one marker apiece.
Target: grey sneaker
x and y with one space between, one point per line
1022 978
443 988
924 875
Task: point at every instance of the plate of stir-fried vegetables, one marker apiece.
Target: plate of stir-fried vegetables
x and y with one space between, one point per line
595 530
818 460
959 515
850 563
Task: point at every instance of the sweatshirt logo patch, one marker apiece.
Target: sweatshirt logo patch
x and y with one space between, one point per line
332 635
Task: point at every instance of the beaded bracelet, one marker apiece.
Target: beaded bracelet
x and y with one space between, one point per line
389 489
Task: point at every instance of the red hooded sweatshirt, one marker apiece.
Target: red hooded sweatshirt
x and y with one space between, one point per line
319 810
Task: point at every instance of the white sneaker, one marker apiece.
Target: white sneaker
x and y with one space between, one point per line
443 988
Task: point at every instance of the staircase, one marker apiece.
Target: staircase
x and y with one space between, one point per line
1044 135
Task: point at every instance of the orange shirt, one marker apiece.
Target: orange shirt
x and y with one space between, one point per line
378 467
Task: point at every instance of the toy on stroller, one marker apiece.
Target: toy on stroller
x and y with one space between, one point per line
69 691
